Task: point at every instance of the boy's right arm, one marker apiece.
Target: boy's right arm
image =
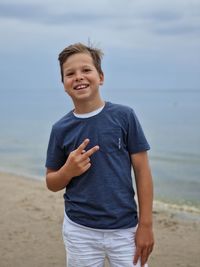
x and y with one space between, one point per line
77 163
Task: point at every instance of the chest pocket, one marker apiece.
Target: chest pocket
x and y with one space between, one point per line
110 140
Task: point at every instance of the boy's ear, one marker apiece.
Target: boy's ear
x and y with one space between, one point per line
101 78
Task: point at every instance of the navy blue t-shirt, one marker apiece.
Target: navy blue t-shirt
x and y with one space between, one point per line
103 196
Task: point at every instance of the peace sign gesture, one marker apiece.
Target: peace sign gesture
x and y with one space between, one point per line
78 161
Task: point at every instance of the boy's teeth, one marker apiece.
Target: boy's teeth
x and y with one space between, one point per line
81 86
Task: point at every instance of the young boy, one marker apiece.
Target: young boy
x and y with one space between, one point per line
91 152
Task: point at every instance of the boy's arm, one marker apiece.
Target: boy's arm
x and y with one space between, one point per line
77 163
144 235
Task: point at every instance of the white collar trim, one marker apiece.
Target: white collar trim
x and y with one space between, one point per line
89 114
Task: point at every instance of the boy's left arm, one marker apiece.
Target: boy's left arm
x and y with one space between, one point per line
144 235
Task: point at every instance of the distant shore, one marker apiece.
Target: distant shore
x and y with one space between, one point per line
31 221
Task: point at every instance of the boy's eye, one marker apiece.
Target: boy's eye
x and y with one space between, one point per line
68 74
87 70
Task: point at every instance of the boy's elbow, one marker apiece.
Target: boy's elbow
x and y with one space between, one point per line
54 181
50 188
50 185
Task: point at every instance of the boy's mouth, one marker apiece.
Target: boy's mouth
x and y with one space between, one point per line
80 86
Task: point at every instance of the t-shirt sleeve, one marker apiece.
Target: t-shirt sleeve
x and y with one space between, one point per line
136 140
56 157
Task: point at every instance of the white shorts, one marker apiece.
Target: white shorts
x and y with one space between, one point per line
88 247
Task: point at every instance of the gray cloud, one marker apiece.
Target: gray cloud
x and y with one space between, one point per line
74 18
139 33
163 16
178 30
38 14
21 11
158 21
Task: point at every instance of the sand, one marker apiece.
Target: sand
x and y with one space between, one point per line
31 221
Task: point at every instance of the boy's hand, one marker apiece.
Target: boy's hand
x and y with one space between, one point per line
144 244
78 161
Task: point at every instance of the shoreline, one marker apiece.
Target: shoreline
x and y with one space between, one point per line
184 209
31 226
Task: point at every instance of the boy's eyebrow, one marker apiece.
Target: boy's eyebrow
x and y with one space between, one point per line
71 68
67 69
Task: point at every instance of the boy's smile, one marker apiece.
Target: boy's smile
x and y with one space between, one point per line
80 86
81 79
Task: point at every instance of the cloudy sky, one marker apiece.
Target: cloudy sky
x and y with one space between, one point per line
147 43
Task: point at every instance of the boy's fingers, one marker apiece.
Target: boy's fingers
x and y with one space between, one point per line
86 154
144 256
91 151
82 146
137 256
86 161
86 167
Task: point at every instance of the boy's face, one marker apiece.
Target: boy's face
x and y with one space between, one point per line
81 78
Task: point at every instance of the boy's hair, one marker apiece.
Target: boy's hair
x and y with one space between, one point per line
76 48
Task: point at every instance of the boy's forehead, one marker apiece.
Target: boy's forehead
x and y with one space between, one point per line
78 59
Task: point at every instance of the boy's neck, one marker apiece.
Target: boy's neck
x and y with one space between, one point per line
86 107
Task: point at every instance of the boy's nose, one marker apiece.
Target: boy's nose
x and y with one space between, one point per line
79 76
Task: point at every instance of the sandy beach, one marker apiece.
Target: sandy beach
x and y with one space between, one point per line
30 229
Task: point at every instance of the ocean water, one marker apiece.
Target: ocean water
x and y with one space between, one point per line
170 119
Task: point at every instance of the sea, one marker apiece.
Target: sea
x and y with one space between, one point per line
170 120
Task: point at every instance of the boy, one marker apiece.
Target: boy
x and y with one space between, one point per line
91 151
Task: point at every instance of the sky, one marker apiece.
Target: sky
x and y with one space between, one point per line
147 44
